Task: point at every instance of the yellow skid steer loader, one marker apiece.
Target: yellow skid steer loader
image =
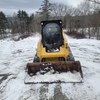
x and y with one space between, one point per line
53 53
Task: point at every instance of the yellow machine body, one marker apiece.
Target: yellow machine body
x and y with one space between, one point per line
63 52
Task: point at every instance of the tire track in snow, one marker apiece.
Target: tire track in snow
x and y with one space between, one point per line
58 95
43 92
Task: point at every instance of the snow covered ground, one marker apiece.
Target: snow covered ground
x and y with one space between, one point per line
14 56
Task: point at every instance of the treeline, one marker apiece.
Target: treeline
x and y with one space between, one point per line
21 22
81 20
3 23
86 19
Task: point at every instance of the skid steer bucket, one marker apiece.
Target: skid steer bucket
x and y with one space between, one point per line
70 72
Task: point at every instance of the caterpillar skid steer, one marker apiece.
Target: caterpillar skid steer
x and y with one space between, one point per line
53 59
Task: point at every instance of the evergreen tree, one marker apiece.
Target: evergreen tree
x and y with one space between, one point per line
23 21
3 22
45 9
22 16
30 22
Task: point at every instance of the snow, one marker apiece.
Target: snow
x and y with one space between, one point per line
49 77
14 56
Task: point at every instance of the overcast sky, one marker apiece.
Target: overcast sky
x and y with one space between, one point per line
11 6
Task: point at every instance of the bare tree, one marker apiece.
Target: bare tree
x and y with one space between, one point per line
84 8
59 10
95 1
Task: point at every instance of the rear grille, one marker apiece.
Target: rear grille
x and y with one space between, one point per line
53 59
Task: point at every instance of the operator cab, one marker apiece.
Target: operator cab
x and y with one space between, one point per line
52 37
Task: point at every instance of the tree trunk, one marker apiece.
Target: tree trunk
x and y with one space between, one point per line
89 32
